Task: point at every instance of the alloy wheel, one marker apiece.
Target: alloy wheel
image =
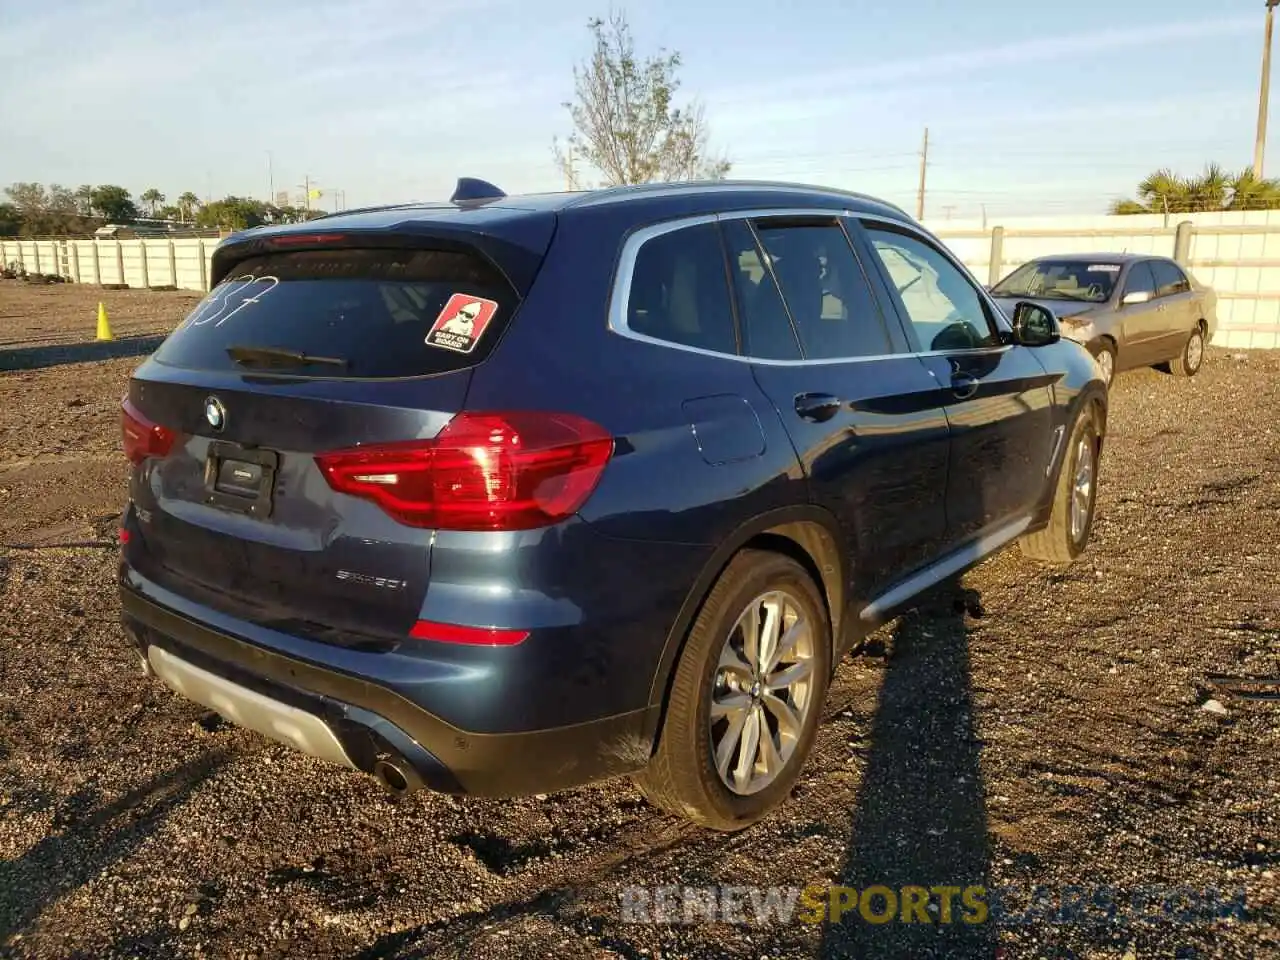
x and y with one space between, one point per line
762 692
1082 489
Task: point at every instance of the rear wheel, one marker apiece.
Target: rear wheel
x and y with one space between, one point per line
1071 521
746 697
1188 363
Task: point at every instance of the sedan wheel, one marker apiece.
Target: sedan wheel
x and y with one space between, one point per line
1105 353
1188 363
1108 364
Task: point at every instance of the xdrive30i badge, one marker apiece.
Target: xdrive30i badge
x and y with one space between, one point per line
368 580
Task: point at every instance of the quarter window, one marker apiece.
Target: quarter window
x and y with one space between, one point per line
944 308
679 292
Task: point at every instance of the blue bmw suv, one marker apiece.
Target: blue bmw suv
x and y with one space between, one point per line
509 494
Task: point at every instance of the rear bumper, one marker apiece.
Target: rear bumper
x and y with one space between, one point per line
334 714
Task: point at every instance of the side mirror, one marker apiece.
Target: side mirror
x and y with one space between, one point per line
1135 296
1034 325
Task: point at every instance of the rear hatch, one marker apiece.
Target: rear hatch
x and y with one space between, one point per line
307 344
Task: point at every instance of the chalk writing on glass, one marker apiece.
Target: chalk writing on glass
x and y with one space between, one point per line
230 298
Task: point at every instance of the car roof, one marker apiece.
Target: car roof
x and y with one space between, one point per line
662 200
1107 258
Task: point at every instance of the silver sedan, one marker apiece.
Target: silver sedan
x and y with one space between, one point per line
1130 310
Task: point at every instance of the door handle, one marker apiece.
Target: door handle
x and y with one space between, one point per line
963 385
817 407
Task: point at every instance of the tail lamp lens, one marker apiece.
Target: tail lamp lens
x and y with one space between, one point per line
142 437
484 471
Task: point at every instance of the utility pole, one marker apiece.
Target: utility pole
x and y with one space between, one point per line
1260 145
306 192
271 180
946 211
924 162
570 179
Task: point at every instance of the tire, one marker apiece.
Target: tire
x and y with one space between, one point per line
1065 537
682 777
1191 359
1105 353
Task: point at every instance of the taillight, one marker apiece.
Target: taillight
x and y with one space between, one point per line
484 471
455 633
142 438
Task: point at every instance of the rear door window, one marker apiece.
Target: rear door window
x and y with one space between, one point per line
767 333
355 313
1169 278
825 290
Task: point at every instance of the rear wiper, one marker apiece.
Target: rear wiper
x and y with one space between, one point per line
280 358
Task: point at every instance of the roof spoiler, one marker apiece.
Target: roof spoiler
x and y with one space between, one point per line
471 190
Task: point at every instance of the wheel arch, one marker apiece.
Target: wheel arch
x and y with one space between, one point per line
806 534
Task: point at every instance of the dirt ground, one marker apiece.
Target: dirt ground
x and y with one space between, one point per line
1036 728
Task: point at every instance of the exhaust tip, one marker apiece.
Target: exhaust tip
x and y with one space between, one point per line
396 779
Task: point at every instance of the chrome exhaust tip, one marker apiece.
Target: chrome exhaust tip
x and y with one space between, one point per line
397 778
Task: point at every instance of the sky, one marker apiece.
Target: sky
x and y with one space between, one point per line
1032 107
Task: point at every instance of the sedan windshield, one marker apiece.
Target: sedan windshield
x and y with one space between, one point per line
1061 280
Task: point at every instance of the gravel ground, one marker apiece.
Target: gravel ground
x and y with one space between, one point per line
1031 728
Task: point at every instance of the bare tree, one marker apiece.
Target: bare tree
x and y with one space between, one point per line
625 122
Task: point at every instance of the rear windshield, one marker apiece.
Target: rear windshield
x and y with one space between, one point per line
346 313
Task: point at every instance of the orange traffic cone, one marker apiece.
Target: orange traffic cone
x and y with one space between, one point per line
104 328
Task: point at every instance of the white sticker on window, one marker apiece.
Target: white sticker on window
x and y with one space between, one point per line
1104 268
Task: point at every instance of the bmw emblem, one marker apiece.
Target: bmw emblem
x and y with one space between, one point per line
215 413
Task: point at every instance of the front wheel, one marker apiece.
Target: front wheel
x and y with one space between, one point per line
1187 363
1074 500
1105 354
746 697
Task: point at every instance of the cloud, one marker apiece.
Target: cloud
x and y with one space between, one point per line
1051 51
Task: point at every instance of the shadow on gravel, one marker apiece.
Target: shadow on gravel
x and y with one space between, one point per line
56 354
460 936
86 839
921 818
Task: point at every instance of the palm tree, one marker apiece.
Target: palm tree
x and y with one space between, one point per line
1164 192
187 206
152 198
1214 189
1127 207
1209 190
1248 193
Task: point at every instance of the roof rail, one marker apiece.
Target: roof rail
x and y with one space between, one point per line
469 190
